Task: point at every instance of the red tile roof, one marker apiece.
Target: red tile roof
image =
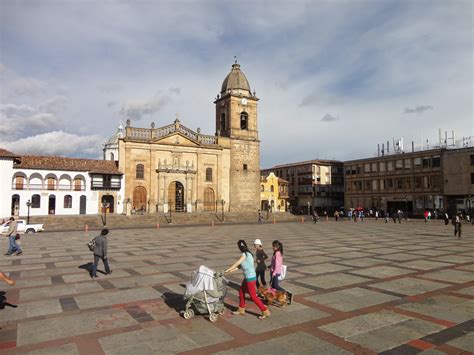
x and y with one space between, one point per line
6 154
62 163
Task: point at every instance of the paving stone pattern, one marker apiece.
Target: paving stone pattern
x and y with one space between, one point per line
359 288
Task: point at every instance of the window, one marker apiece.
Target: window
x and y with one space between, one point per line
244 118
472 159
374 185
382 166
262 188
367 185
51 183
426 162
366 168
374 167
389 183
390 165
407 163
472 178
245 167
359 169
77 184
427 182
399 164
399 184
209 174
436 181
382 184
272 188
417 162
35 201
408 183
140 171
418 181
112 156
436 162
223 127
68 201
19 180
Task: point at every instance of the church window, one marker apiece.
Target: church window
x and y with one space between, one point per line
272 188
35 201
209 174
68 201
223 127
262 188
244 118
140 171
245 166
112 156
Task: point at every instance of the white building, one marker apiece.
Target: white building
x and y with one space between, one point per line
58 185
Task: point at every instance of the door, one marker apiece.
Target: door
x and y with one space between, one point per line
209 200
52 204
109 201
139 199
176 196
15 205
82 205
19 182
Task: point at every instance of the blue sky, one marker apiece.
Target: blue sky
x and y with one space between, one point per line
335 78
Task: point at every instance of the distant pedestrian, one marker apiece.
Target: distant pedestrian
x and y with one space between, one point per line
260 217
13 235
425 215
429 215
315 216
361 216
336 215
387 216
446 218
260 257
435 214
326 217
100 252
457 225
376 215
399 216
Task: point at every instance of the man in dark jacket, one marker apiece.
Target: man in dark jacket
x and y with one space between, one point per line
100 252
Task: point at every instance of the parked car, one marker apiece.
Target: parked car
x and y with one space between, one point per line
22 227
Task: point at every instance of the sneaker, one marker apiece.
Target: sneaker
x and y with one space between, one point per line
19 253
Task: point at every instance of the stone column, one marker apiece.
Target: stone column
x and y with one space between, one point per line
165 194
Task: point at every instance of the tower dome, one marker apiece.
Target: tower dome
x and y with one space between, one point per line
235 82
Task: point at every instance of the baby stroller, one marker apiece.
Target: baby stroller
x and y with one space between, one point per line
206 292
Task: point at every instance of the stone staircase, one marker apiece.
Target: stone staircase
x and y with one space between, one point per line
117 221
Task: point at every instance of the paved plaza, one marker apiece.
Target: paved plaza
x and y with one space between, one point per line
359 288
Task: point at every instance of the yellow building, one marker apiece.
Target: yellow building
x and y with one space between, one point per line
273 193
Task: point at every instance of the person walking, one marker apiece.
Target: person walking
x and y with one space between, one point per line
260 258
100 252
376 215
315 216
260 217
12 237
387 216
425 214
446 218
457 225
336 215
245 262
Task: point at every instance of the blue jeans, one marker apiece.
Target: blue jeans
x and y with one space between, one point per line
275 283
13 245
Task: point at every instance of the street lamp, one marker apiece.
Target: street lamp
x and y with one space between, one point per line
28 204
170 208
223 203
309 208
406 211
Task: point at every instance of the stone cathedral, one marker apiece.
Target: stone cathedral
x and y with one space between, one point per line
176 168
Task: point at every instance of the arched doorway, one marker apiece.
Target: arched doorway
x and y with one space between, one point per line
82 204
209 200
52 204
108 199
15 208
176 196
139 199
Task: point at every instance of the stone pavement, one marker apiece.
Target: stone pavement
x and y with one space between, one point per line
359 288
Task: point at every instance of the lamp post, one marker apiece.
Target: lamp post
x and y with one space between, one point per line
406 211
223 203
309 208
28 204
170 207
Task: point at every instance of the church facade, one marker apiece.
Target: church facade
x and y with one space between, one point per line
176 168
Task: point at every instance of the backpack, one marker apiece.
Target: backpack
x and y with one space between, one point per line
91 244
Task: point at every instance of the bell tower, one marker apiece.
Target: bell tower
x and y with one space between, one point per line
236 118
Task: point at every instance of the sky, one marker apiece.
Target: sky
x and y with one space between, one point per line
335 78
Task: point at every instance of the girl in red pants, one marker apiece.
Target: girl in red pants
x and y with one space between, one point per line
245 262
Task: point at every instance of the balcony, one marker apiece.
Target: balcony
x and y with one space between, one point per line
60 187
105 185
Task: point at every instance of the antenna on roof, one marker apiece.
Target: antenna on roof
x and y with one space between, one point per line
235 59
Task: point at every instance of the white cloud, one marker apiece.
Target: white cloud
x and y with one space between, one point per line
56 143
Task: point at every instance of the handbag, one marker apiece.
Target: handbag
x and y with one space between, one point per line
283 273
17 236
91 244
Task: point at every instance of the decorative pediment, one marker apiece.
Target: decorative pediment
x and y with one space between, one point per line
174 133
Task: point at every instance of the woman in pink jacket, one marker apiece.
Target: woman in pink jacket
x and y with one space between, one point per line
275 268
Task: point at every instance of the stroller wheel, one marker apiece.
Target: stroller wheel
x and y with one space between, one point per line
188 314
213 317
222 311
